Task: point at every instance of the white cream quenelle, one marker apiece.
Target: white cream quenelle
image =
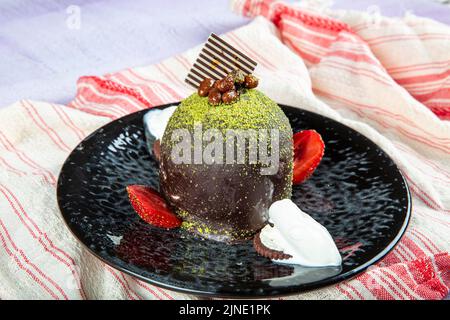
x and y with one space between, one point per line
156 121
296 233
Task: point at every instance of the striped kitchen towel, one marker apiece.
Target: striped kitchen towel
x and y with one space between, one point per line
386 80
414 52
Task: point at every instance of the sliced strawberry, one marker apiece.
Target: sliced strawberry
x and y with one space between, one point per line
151 207
308 151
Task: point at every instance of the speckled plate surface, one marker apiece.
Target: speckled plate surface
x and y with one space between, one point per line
357 193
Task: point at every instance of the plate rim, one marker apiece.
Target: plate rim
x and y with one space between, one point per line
286 291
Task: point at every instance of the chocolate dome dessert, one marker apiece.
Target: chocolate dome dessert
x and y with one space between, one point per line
218 199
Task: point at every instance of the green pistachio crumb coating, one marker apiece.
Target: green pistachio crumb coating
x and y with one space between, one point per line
254 110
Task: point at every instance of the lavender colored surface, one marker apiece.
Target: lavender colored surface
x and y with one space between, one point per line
41 58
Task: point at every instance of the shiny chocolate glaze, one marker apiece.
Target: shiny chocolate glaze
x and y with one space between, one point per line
224 202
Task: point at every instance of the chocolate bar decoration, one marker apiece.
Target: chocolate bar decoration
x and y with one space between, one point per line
216 59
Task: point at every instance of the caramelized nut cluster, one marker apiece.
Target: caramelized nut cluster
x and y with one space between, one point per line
227 89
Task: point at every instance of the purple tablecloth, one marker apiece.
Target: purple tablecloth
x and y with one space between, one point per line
42 55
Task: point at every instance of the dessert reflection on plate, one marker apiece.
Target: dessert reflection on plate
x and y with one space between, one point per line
228 159
304 275
185 255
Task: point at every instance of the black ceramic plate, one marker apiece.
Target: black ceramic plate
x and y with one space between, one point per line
357 193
